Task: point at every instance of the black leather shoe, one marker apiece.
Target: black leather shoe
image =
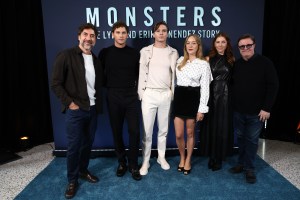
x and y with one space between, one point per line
71 190
250 177
121 170
237 169
89 177
135 173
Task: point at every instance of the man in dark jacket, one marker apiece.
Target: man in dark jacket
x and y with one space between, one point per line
77 80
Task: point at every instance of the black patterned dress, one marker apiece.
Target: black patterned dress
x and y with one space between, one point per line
216 132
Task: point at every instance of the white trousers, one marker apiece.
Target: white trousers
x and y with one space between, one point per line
155 101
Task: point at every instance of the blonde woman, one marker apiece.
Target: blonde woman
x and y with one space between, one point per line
193 77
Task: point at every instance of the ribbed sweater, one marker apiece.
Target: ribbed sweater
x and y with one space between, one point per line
121 66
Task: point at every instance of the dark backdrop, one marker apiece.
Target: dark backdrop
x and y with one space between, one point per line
281 44
67 22
25 106
24 102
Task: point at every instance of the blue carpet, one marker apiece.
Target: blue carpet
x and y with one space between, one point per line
159 184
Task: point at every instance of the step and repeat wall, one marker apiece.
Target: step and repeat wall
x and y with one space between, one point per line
184 17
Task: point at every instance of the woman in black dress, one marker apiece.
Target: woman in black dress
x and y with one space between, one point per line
216 133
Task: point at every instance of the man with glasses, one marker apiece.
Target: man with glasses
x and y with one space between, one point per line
255 86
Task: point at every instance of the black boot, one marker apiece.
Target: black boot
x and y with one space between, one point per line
217 165
211 163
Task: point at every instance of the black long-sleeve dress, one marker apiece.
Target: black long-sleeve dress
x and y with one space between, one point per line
216 132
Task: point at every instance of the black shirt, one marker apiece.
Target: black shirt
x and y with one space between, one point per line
255 85
121 66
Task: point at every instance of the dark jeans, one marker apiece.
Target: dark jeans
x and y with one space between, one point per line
81 127
123 104
248 128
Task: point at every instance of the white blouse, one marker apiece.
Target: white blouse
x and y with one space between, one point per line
195 74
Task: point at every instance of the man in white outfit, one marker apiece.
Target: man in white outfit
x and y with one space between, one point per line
156 89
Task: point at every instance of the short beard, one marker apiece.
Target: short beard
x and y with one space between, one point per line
87 49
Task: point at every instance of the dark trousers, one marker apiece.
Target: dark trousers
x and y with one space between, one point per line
247 128
81 127
123 104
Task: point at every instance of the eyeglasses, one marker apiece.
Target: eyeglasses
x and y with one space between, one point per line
247 46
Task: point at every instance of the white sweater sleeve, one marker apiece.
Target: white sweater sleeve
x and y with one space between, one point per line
205 79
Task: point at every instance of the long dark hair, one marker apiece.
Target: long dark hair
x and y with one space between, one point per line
228 51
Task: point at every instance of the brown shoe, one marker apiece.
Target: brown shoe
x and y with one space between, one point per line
89 177
237 169
250 177
71 190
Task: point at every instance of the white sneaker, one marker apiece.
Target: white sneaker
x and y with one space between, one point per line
144 169
163 163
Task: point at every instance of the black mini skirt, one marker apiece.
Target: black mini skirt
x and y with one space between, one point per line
186 102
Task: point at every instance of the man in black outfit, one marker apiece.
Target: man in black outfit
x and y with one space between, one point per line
255 86
121 67
77 81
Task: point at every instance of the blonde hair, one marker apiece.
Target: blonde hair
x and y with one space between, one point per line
199 53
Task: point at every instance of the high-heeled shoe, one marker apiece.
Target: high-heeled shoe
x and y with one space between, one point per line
187 171
180 169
